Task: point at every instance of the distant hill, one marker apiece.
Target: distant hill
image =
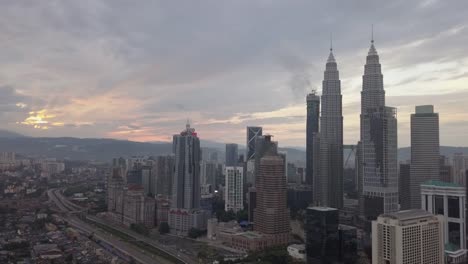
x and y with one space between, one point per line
81 149
105 149
405 153
9 134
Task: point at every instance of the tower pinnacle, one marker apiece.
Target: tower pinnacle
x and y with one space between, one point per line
331 58
372 50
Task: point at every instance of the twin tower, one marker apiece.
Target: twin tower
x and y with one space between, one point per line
376 155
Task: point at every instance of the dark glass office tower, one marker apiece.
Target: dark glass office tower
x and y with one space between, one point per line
312 128
232 155
322 236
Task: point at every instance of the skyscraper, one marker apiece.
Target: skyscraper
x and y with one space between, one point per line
271 212
148 178
408 237
232 155
425 154
459 168
252 134
404 186
446 170
326 240
331 134
263 145
312 128
234 192
208 174
164 169
186 184
185 210
378 143
115 194
321 229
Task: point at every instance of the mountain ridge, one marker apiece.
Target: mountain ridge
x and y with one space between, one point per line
104 149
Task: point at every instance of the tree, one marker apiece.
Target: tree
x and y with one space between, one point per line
242 215
140 229
194 232
164 228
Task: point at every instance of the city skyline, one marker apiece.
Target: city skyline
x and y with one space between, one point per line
74 69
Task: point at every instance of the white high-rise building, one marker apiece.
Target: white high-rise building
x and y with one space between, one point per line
378 144
425 154
408 237
448 200
233 193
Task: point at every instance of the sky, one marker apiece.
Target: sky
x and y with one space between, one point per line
138 70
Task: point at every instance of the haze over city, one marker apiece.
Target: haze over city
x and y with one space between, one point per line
137 71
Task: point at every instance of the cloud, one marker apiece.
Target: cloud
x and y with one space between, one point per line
109 68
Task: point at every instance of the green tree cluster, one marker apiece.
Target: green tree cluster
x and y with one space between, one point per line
140 229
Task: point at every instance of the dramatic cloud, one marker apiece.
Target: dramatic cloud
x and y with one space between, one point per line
138 70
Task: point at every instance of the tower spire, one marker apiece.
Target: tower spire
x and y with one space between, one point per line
372 50
331 58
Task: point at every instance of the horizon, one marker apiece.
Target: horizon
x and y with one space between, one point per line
301 148
75 70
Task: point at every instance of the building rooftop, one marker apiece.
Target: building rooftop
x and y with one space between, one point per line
424 109
251 235
441 184
298 246
346 227
321 208
408 214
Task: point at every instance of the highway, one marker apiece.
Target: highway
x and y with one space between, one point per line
126 248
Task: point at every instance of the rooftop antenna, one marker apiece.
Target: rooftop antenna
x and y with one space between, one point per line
331 42
372 34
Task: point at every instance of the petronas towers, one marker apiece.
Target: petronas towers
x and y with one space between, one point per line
378 146
376 155
328 183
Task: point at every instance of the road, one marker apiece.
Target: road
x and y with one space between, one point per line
127 248
145 239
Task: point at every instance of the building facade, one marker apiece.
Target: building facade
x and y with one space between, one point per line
446 170
234 190
378 163
232 155
321 231
331 134
459 168
186 180
312 129
208 173
271 212
185 212
408 237
448 200
163 169
252 133
404 186
425 154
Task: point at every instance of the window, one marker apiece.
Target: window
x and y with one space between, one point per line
438 205
454 233
453 207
